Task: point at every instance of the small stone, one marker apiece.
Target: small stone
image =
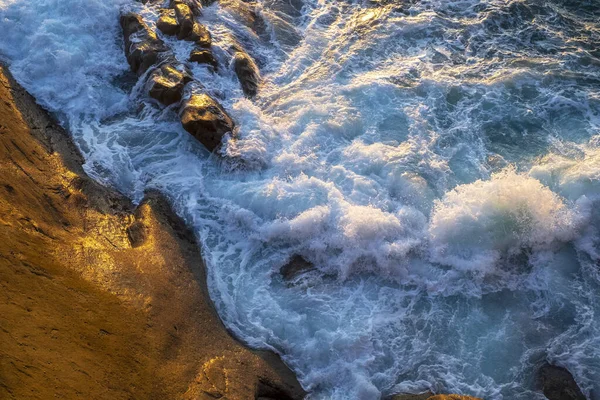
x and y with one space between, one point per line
204 118
203 56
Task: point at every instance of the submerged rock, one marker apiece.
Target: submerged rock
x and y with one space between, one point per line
166 83
142 47
295 267
247 73
167 23
204 118
203 56
557 383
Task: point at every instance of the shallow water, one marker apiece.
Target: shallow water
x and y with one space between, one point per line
438 161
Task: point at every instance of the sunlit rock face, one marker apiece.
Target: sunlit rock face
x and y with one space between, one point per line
435 161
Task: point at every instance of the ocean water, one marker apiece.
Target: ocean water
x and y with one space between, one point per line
438 162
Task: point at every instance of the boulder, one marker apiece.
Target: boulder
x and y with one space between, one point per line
204 118
557 383
185 19
194 5
166 83
167 22
142 47
247 73
199 35
452 397
203 56
295 267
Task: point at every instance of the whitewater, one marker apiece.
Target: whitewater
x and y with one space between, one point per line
437 161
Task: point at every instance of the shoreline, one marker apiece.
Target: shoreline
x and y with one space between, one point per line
102 298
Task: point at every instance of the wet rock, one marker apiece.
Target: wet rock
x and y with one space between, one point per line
142 47
247 73
557 383
203 56
166 83
167 23
185 19
452 397
204 118
194 5
296 267
200 35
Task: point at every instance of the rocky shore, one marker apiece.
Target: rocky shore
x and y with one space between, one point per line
100 299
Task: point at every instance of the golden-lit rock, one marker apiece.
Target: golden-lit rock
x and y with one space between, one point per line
167 22
199 35
247 73
185 19
206 120
166 83
142 47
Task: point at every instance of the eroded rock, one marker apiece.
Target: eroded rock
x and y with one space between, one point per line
557 383
142 47
203 56
166 83
247 72
205 119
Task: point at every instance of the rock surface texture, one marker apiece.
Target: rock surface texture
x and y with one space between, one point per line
101 300
142 47
206 120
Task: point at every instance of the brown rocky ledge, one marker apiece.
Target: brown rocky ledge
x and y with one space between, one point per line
100 300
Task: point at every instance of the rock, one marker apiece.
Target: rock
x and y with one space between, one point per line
167 23
203 56
194 5
557 383
166 83
295 267
452 397
142 47
206 120
247 73
185 19
200 36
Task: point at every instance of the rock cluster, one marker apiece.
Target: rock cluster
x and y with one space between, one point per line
167 78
